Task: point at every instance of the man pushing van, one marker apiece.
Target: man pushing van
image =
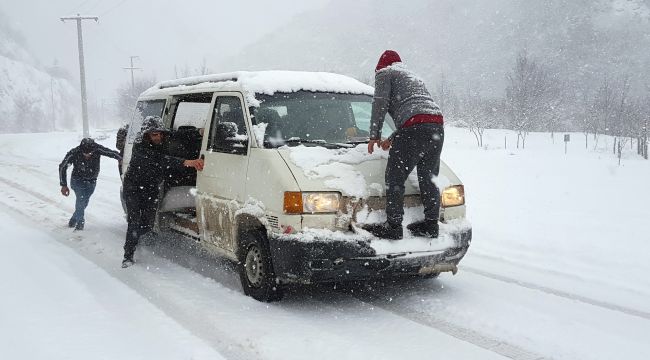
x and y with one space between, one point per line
416 142
148 168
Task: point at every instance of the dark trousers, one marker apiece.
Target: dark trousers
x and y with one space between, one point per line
141 204
83 190
418 145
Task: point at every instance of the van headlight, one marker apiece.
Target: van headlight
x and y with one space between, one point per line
453 196
311 202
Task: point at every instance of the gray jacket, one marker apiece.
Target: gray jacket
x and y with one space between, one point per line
402 94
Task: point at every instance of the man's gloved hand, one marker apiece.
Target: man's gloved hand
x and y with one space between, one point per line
371 145
65 191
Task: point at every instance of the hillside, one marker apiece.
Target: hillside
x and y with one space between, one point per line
473 43
32 98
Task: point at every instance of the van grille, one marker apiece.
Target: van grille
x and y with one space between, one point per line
351 206
273 221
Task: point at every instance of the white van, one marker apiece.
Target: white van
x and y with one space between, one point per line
287 177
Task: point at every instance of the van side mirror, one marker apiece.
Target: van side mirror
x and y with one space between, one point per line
226 130
228 139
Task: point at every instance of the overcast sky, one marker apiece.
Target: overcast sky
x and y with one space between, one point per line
163 33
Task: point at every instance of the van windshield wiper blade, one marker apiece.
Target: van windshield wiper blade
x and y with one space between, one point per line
356 141
319 142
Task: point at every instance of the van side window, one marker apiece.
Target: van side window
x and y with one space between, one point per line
228 128
191 110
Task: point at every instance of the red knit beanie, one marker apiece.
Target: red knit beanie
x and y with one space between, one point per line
388 58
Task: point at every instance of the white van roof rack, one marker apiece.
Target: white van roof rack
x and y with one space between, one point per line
195 80
263 82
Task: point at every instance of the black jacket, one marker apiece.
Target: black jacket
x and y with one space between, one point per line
82 168
149 165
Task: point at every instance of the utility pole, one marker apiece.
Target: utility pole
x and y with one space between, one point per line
82 69
132 68
102 112
52 98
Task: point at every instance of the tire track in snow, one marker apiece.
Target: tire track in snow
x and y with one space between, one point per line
560 293
473 337
413 314
42 209
169 307
37 170
31 192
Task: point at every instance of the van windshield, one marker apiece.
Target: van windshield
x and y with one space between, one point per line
314 118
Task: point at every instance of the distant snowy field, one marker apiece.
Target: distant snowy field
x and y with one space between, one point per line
558 267
579 216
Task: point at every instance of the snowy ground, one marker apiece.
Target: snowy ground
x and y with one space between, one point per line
558 269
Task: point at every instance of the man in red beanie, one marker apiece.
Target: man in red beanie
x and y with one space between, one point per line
416 142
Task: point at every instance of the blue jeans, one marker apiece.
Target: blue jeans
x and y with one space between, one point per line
83 189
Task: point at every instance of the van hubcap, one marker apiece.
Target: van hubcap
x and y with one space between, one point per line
254 266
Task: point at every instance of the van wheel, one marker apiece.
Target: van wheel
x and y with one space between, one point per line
256 268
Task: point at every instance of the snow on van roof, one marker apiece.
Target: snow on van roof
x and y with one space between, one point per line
265 82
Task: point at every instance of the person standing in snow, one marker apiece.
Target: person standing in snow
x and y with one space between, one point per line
147 169
85 169
416 142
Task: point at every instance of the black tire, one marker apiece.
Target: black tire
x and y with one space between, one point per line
256 268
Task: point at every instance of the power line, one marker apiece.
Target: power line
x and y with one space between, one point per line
112 42
113 8
80 6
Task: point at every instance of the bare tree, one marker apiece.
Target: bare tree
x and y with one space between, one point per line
28 115
602 109
446 98
127 96
187 71
532 98
477 114
203 68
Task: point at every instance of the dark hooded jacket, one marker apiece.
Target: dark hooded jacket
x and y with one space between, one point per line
82 168
149 165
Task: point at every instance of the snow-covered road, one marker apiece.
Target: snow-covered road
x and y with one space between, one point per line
512 298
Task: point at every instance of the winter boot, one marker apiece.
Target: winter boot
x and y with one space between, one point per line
385 230
79 226
426 228
72 222
128 261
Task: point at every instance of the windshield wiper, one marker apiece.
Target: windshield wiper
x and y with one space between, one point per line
298 141
358 140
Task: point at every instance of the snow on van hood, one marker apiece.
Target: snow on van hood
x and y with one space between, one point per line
264 82
352 171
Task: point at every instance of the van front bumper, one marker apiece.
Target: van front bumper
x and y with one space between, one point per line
323 260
